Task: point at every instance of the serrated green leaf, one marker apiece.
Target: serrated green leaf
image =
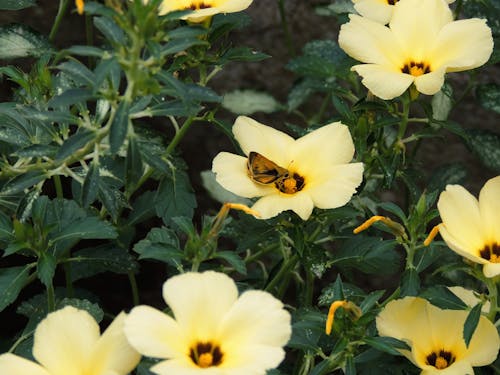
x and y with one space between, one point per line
454 173
90 185
486 145
74 143
243 54
119 127
110 30
85 51
83 304
78 72
442 297
184 32
387 344
21 182
234 260
471 323
178 45
16 4
160 244
86 228
12 281
489 96
18 41
5 226
410 283
46 268
142 209
247 102
175 197
70 97
442 103
133 168
105 258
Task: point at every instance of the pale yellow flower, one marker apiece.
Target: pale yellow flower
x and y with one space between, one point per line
435 337
471 227
202 9
318 166
213 331
378 10
421 44
469 297
67 342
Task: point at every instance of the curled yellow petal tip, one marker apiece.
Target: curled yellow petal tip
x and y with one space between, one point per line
368 223
80 4
331 315
242 207
433 233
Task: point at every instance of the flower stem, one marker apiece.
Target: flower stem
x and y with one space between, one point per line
405 116
133 286
491 284
51 300
63 5
179 135
287 266
286 29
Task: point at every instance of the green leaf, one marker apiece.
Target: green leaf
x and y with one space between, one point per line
70 97
110 30
18 41
90 186
184 32
5 226
471 323
486 145
243 54
442 297
16 4
452 173
410 283
442 103
133 169
178 45
387 344
142 209
74 143
119 127
105 258
86 228
23 181
160 244
247 102
78 72
85 51
175 197
234 260
82 304
489 96
46 268
12 281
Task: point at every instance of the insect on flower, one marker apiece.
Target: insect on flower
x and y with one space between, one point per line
264 171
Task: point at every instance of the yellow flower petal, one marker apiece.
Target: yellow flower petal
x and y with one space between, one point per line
271 205
491 269
489 205
430 83
267 141
338 186
11 364
376 10
332 144
64 341
460 247
384 82
112 352
154 334
459 212
462 45
231 174
198 300
370 42
417 23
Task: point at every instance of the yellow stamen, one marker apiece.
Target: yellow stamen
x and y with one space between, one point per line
441 363
494 258
205 360
79 6
331 315
433 233
368 223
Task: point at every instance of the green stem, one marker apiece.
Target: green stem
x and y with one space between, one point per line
287 266
58 186
63 5
179 135
491 284
286 29
133 286
404 120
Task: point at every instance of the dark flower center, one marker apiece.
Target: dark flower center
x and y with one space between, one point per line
290 183
440 359
392 2
416 68
491 252
206 354
195 5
